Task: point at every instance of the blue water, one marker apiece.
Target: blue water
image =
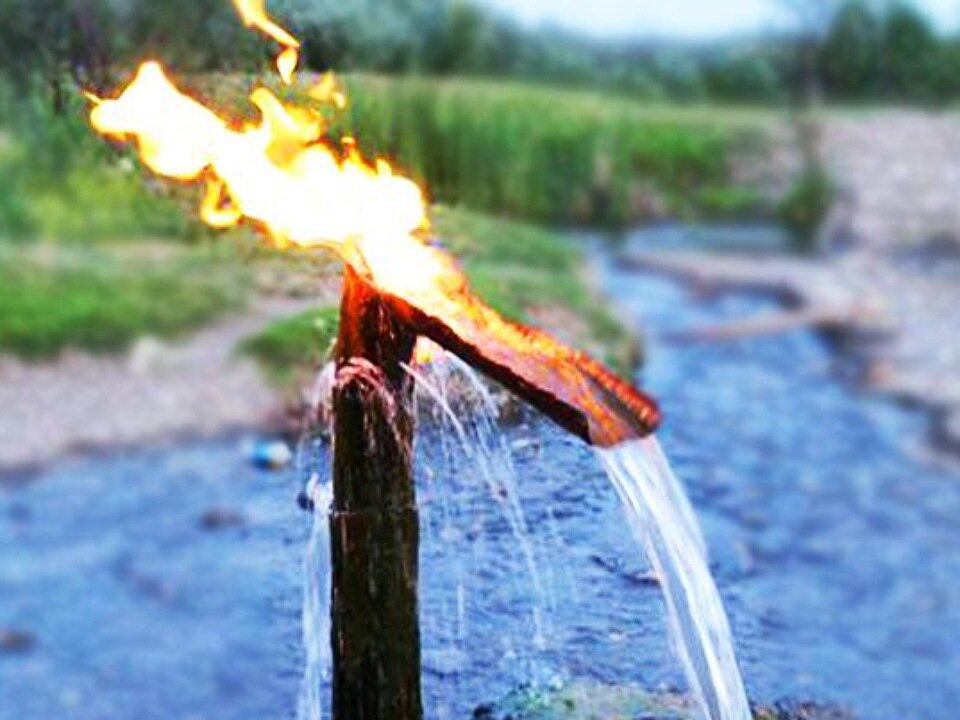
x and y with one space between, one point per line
834 540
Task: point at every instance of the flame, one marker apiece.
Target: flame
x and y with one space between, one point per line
287 64
280 172
283 174
254 14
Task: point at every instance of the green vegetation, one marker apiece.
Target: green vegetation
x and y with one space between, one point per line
551 155
806 205
60 181
102 302
294 343
856 50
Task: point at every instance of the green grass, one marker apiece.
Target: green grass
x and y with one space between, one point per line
549 155
293 343
60 181
101 302
515 267
544 154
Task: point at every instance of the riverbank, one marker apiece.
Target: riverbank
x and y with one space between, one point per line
893 311
252 368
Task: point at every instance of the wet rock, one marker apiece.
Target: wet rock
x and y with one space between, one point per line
482 712
219 518
801 710
14 641
635 577
589 700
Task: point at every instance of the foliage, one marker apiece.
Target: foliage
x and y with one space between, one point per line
543 154
806 205
295 342
195 34
99 302
744 76
850 56
859 49
910 54
59 181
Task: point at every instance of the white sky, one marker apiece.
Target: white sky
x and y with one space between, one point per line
693 19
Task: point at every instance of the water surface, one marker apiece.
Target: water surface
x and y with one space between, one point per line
834 541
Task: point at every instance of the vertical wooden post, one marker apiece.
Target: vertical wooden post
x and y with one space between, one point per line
373 522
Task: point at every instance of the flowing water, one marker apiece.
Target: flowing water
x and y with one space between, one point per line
833 540
659 515
662 519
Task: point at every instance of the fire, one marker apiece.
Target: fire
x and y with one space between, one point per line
283 174
254 14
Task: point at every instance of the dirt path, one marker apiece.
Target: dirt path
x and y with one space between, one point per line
157 390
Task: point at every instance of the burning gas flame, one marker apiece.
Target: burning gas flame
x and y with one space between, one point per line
283 174
254 14
280 172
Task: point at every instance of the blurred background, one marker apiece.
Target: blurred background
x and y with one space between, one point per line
751 207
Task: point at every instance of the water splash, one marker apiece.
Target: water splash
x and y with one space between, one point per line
464 416
316 617
472 415
311 461
663 521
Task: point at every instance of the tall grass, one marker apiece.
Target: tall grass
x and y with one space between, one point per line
60 181
552 155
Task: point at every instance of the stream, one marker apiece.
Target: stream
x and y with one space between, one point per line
167 582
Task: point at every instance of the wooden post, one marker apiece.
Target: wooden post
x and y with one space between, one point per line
373 522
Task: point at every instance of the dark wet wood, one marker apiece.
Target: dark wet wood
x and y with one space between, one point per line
568 386
373 524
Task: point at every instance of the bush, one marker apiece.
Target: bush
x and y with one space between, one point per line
548 155
806 205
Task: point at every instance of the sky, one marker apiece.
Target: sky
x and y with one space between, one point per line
687 19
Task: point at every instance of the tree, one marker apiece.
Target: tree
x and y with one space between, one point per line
53 38
813 18
850 55
743 76
911 56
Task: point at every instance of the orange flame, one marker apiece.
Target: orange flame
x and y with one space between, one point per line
280 172
254 14
303 190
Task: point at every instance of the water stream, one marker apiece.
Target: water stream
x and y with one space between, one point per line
661 518
833 540
658 513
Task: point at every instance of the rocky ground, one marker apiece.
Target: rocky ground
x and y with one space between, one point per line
896 310
199 387
594 700
898 177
